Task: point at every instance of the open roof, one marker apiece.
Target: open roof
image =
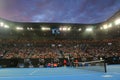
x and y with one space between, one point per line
59 11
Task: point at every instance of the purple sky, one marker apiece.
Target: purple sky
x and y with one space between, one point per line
60 11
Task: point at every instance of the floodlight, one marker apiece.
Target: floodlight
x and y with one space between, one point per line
64 29
69 28
89 29
105 26
1 24
28 28
110 25
60 29
19 28
117 21
6 26
31 28
79 29
45 28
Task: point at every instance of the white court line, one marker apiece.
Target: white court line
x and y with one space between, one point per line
34 72
107 76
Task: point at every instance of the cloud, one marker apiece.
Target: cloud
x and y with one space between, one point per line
72 11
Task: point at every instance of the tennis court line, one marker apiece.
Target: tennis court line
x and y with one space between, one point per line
34 72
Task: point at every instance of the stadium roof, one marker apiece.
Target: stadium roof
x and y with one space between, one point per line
59 11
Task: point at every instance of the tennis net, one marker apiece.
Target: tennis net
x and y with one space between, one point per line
99 66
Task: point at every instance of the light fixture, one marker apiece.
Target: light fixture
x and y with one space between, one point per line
89 29
19 28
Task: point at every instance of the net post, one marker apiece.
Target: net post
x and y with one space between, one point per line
105 66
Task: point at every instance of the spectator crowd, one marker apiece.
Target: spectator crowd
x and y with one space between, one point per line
85 51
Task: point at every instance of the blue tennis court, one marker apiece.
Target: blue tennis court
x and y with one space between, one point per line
61 73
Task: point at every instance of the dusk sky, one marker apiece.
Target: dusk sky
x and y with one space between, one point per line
58 11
